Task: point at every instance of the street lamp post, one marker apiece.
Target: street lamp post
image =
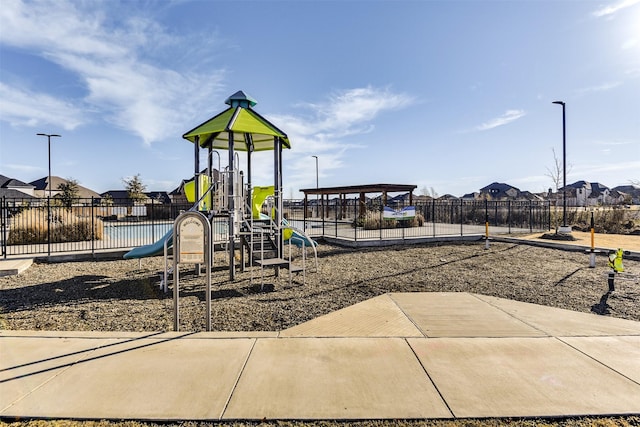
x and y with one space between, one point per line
316 157
317 186
49 198
565 228
49 151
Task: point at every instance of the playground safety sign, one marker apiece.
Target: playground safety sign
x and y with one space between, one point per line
191 241
192 245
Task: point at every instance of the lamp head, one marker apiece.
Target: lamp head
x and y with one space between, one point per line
558 102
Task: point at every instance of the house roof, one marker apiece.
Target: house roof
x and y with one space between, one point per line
116 194
7 182
500 186
43 185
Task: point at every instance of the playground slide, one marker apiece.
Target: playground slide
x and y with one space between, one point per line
157 248
153 249
299 240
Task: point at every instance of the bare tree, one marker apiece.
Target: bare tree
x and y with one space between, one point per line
430 191
555 172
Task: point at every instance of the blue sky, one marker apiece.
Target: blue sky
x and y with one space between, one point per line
449 95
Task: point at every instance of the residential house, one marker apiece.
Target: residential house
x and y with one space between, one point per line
447 197
583 193
121 197
12 188
631 193
499 191
42 188
159 197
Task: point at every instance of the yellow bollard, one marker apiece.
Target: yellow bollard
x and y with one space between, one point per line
592 255
486 235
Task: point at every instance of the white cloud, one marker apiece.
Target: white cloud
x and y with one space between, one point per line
612 9
21 107
508 117
26 169
599 88
114 61
348 112
325 130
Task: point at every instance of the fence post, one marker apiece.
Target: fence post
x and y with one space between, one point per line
461 232
509 214
49 225
93 230
153 227
4 223
381 219
486 210
433 216
530 216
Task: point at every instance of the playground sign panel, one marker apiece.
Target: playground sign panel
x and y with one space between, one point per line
191 241
192 237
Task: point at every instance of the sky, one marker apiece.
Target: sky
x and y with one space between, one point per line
446 95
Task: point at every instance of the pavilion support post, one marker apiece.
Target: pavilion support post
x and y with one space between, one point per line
232 209
304 212
196 167
363 206
249 194
277 194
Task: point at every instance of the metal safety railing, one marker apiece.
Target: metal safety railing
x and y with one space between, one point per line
348 220
34 226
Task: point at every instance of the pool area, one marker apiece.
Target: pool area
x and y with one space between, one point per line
145 231
135 234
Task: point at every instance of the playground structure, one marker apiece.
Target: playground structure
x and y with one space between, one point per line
235 209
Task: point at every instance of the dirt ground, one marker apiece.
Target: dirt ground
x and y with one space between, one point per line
120 295
608 241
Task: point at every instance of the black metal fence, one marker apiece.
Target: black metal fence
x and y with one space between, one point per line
45 226
347 219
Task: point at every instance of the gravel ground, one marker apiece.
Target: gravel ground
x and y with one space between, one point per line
120 295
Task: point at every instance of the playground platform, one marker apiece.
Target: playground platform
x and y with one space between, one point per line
396 356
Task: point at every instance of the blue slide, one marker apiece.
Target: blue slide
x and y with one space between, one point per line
153 249
296 238
299 240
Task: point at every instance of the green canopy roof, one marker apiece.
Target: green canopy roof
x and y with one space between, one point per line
251 131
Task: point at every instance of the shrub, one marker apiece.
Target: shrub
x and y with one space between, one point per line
373 221
30 226
613 220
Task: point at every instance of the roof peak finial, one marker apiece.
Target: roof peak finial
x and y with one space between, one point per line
240 99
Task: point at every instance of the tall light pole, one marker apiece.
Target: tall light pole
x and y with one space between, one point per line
317 186
49 151
565 228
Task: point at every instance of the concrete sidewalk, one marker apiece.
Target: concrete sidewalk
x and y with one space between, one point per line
408 355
